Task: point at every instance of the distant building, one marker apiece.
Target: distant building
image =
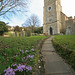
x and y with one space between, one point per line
10 28
55 21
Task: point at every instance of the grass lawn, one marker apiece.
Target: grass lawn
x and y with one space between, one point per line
18 50
67 41
65 46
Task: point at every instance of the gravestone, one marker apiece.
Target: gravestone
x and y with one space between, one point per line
68 31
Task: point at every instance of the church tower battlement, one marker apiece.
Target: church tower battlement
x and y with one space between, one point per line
52 17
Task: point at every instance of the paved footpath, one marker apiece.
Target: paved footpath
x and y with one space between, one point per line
54 64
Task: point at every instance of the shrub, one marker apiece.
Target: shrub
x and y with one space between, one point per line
3 28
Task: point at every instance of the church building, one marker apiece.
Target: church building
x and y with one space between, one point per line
55 21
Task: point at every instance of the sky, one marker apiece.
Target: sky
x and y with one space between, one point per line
36 7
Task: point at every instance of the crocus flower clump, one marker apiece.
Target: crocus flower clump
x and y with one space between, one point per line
19 68
27 57
9 71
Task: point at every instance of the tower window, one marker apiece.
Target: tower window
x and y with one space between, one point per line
49 8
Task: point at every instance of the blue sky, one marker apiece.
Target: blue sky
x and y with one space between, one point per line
36 7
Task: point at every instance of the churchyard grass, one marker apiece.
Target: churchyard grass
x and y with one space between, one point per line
67 41
65 46
20 51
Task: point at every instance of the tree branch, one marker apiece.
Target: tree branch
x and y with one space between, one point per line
8 10
4 5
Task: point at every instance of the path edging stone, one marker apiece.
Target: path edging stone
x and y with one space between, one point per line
40 71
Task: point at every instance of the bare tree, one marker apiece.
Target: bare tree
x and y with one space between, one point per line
7 5
32 22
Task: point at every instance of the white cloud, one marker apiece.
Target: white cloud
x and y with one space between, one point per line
68 7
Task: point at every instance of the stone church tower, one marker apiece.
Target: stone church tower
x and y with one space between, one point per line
55 21
52 19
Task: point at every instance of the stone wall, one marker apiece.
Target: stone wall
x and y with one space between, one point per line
67 24
63 22
70 26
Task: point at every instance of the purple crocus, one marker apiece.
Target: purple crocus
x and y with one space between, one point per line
30 56
14 65
32 49
9 71
27 51
21 67
29 68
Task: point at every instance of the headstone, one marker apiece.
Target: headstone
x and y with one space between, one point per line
68 31
15 33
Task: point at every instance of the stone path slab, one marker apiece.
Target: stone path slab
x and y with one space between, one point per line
54 64
48 42
51 56
48 47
